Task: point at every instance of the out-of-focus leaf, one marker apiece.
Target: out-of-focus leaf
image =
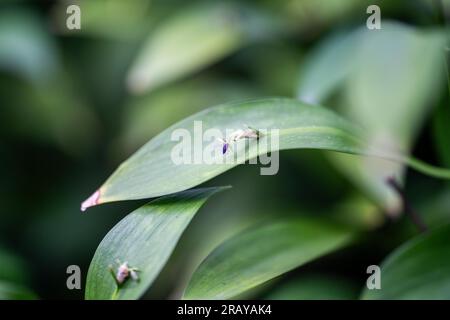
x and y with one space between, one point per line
12 268
10 291
420 269
327 67
25 46
394 74
14 277
314 287
192 39
357 211
145 239
397 74
262 253
151 170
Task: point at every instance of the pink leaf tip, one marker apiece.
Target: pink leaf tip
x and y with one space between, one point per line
91 201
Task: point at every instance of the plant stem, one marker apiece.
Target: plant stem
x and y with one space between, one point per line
115 294
409 210
358 149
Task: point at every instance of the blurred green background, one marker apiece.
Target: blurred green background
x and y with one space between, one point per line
76 103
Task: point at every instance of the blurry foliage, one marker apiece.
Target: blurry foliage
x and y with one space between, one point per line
261 253
14 277
417 270
315 287
68 117
390 79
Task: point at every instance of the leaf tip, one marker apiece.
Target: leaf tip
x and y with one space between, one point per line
138 82
93 200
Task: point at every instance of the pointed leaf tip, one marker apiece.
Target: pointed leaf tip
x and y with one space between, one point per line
91 201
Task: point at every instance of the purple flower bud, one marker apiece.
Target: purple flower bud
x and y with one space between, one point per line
224 148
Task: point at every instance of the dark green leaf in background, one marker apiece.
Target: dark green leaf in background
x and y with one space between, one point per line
327 66
195 38
14 277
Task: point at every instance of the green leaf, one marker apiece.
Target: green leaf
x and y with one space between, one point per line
327 66
10 291
12 268
393 84
14 277
314 287
262 253
150 171
192 39
420 269
145 239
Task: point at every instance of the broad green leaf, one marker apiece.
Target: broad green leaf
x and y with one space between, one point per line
145 239
327 66
420 269
151 170
10 291
192 39
262 253
314 287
